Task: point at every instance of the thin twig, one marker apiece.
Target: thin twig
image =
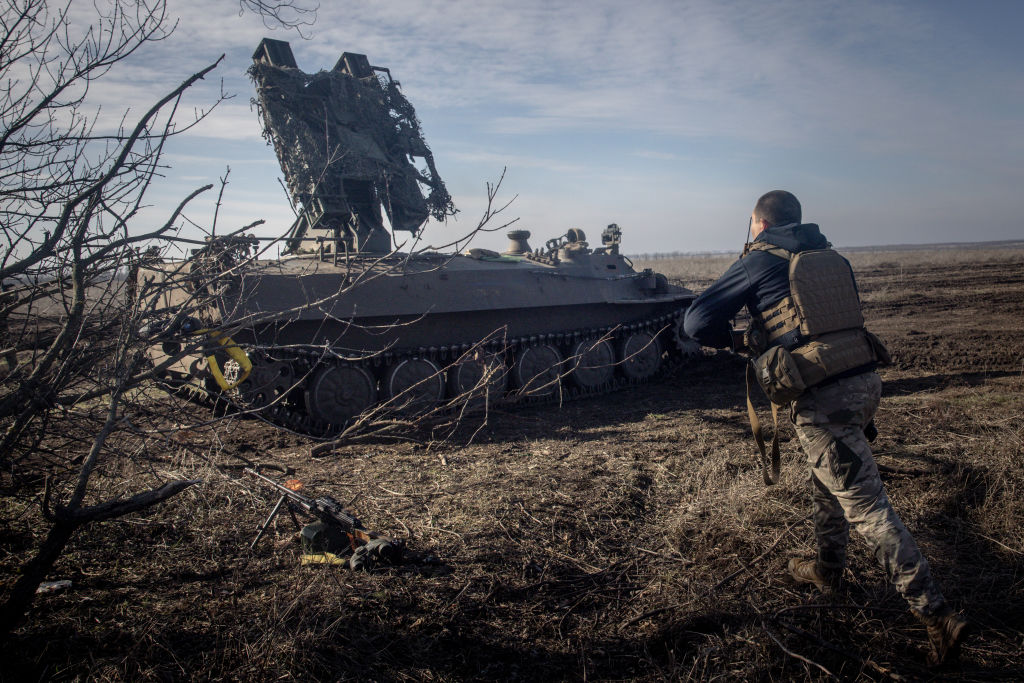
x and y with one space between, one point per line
396 493
458 595
663 556
649 613
798 656
447 531
831 606
835 648
759 557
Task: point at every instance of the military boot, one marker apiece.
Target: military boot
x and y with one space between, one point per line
946 630
807 571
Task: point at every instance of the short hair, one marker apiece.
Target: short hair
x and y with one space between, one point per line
778 207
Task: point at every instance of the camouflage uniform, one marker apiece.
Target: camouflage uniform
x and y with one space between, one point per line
846 488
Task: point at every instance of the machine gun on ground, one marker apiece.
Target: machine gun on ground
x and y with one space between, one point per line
335 532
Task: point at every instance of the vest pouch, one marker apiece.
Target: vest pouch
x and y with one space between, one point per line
754 337
882 354
833 353
779 375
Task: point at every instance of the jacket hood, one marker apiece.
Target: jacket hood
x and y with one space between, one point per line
794 238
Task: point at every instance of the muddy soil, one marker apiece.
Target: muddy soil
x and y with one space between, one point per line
627 537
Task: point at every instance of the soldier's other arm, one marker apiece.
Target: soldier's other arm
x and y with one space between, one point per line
708 318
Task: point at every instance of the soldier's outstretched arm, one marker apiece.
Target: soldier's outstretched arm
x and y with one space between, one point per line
707 319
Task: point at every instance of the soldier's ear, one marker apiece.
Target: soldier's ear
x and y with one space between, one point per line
757 226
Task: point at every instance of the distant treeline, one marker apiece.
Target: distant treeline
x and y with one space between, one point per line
995 244
667 255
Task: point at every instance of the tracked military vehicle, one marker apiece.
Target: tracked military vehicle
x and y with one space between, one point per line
344 323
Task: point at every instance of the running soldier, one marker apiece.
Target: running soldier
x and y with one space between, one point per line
817 356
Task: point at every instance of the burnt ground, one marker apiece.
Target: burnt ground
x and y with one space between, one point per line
622 537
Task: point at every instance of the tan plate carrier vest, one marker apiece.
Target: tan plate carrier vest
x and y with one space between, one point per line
824 306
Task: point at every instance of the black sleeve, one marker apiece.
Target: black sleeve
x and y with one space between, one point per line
707 319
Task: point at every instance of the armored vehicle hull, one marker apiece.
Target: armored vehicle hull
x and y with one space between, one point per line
331 341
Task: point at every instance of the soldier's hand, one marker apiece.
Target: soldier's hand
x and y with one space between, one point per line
739 344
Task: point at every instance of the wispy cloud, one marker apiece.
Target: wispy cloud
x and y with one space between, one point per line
872 73
658 156
496 159
876 94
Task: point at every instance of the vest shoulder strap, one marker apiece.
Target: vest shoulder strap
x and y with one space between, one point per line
770 248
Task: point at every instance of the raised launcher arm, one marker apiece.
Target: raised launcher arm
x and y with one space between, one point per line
346 139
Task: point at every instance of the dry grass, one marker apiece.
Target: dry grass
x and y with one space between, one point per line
628 537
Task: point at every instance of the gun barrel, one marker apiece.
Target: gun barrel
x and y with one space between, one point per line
326 508
305 501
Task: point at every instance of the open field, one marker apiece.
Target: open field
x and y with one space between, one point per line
623 537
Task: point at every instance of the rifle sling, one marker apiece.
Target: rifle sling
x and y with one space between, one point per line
772 476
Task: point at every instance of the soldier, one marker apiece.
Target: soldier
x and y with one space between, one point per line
837 358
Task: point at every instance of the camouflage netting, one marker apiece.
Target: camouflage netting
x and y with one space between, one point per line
329 127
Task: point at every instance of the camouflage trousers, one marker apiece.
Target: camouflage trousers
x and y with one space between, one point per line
847 490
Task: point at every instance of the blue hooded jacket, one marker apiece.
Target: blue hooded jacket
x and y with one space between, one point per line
758 280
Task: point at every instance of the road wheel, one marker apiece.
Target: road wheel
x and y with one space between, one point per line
641 356
536 370
414 385
593 364
338 393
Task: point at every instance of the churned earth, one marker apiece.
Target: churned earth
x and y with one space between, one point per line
622 537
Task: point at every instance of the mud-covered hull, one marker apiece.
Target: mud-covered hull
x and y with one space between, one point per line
332 341
436 301
367 335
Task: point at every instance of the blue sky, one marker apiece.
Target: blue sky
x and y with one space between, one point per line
894 122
